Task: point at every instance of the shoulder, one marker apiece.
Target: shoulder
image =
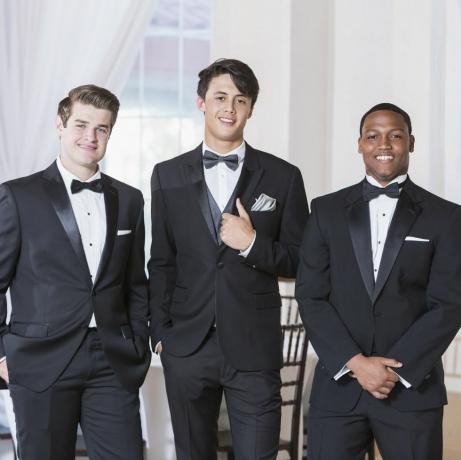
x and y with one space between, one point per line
430 202
122 188
272 162
340 197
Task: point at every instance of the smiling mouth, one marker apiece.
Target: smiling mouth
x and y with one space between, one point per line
384 157
87 147
226 121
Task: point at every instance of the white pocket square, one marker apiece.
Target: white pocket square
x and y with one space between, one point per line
123 232
264 203
414 238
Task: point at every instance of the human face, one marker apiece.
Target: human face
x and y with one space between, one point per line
84 139
385 145
226 112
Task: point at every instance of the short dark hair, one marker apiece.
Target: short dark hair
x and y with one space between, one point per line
392 108
241 74
96 96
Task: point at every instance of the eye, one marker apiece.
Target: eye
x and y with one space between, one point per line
396 137
102 130
372 137
220 98
80 125
242 101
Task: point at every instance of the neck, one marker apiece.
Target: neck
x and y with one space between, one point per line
223 147
82 172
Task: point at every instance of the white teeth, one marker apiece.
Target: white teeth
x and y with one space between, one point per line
384 157
226 120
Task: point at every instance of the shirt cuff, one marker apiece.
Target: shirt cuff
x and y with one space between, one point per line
404 382
345 370
248 249
2 359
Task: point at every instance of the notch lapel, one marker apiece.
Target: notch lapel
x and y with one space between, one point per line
111 205
358 216
406 212
195 180
251 174
54 185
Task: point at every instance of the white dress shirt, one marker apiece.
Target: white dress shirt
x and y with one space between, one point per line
382 210
222 180
90 214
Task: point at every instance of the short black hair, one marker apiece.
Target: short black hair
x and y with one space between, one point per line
241 74
387 106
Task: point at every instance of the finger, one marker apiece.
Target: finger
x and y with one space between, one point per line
389 362
226 216
392 376
384 390
389 384
241 210
378 395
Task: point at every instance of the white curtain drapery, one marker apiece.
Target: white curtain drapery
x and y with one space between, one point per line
48 47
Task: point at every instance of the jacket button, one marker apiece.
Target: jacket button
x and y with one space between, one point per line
220 264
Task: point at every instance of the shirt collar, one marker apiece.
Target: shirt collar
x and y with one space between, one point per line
239 151
68 177
398 179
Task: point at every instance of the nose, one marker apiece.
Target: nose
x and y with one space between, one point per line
230 106
384 143
90 134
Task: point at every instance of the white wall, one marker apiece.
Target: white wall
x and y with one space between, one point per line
322 63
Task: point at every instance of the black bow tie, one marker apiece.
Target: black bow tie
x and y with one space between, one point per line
371 191
77 186
210 159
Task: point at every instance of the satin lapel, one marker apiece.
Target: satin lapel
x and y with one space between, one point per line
194 179
359 228
111 205
251 174
57 192
405 214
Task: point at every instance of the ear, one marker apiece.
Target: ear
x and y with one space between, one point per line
59 125
359 148
201 104
412 143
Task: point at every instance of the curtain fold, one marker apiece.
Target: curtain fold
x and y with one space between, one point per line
48 47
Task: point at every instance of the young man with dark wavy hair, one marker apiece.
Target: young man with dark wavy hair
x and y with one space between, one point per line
227 221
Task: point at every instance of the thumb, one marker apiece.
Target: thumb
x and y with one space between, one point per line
391 362
241 210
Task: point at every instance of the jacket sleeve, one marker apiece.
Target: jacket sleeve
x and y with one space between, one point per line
424 342
327 332
10 241
162 263
137 292
279 256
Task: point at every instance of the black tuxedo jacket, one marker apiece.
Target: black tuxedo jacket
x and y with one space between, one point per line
43 263
411 313
195 282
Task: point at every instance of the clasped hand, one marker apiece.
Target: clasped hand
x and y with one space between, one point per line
375 374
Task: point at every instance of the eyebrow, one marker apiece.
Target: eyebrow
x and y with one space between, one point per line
372 128
87 122
227 94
